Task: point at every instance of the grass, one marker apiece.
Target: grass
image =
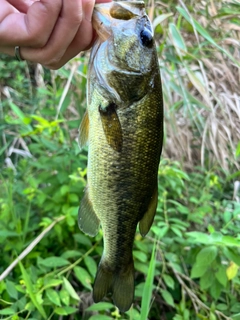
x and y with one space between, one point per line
199 62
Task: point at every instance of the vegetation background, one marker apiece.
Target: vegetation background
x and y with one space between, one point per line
188 265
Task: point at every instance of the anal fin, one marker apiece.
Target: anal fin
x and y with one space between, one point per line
147 220
88 221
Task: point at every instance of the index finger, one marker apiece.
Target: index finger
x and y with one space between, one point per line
31 29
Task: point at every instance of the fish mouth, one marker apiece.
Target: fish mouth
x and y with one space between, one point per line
101 22
106 15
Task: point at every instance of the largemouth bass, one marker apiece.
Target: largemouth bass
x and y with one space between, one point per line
123 125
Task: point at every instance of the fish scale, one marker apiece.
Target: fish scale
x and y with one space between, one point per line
123 125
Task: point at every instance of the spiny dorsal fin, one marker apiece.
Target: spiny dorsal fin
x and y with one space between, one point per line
111 126
83 131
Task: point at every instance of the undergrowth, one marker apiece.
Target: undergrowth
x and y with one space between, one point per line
188 265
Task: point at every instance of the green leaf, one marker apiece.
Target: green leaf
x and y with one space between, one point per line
198 270
7 311
141 256
141 267
65 297
139 289
176 231
177 40
227 215
169 281
91 265
10 286
230 241
160 231
215 289
212 316
40 120
206 280
222 307
54 262
31 292
160 18
64 311
198 237
235 308
71 254
83 276
52 282
18 112
82 240
64 189
167 297
70 289
53 296
133 314
100 317
231 255
73 198
100 306
21 303
207 255
221 276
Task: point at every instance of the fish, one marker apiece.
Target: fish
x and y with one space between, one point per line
123 127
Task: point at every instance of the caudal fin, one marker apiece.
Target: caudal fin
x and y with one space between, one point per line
120 283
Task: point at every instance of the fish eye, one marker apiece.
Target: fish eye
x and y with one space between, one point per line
146 38
120 13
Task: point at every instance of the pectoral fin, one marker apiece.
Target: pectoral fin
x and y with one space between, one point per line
147 220
111 126
83 131
88 221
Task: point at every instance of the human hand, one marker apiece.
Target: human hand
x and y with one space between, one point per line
48 32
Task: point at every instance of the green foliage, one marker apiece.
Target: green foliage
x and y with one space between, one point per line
188 266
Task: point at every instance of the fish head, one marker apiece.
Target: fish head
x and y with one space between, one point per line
125 26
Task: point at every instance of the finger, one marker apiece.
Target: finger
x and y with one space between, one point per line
63 34
21 5
82 41
83 38
31 29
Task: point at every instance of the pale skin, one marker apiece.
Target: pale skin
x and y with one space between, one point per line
49 32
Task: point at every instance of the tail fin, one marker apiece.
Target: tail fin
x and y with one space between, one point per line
119 283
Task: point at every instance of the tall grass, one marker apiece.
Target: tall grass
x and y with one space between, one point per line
199 53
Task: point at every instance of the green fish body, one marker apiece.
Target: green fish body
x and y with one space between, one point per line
123 126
